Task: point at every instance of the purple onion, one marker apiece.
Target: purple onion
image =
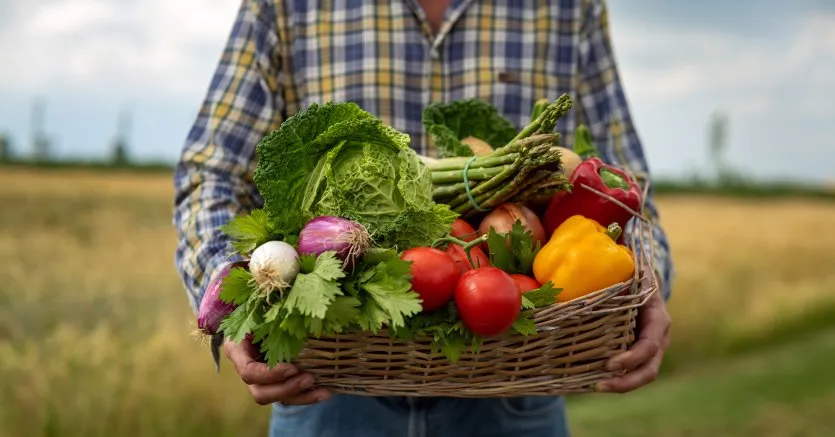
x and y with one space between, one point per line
347 238
213 310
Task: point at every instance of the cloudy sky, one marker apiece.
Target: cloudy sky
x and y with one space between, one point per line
767 64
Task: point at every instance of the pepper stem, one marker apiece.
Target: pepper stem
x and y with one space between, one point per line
614 231
612 179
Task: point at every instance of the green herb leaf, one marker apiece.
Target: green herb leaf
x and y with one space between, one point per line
295 324
376 255
237 286
542 296
390 287
243 320
524 325
279 345
307 263
499 255
452 346
524 248
342 313
313 292
514 251
449 335
527 304
248 231
372 317
382 282
272 314
315 326
396 304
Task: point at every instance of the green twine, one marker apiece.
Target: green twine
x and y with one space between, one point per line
467 186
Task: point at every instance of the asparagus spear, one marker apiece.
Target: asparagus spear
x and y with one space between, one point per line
547 120
528 167
534 152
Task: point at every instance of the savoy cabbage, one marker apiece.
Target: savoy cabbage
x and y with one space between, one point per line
337 159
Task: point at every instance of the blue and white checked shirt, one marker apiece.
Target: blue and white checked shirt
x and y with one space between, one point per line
282 56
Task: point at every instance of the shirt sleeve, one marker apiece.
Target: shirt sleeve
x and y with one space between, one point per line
604 109
212 180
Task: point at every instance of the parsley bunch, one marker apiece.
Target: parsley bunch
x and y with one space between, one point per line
323 300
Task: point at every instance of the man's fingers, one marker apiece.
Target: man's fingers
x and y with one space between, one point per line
294 391
637 378
641 352
657 325
252 371
653 340
283 383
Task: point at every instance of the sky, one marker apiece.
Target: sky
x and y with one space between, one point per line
766 64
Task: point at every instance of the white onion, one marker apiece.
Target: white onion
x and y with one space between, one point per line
274 266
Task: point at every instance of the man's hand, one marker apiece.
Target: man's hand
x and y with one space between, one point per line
643 360
283 383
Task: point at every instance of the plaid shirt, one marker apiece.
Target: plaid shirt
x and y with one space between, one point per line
283 56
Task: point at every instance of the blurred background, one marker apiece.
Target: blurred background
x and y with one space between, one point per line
733 100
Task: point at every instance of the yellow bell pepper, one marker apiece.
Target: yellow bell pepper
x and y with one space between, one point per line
582 257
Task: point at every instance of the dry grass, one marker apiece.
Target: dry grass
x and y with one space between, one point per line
94 325
746 268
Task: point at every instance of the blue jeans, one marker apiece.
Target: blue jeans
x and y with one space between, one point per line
359 416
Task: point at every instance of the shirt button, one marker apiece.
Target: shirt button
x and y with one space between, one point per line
434 54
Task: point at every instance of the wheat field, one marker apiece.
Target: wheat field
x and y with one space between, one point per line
95 327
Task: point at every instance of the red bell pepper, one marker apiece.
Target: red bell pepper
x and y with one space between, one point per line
604 178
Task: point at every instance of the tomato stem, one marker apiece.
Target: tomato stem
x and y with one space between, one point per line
467 246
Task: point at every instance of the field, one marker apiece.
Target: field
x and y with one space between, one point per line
94 325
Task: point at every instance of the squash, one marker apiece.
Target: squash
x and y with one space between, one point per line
570 161
477 145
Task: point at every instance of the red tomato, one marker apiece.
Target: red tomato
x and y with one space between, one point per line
460 256
488 301
462 230
525 283
434 275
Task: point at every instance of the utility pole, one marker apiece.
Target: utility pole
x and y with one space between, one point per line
40 143
5 148
120 144
718 133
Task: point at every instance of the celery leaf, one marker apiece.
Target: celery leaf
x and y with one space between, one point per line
248 231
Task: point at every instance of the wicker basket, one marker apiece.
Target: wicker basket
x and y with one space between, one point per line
567 355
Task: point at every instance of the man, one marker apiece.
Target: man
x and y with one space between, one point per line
393 58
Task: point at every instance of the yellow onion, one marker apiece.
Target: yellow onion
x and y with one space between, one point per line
505 215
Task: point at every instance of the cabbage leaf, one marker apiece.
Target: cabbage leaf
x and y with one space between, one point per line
449 123
337 159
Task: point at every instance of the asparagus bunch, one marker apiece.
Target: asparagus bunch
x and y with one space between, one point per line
527 169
